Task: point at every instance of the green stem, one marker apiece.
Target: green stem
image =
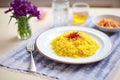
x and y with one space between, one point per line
24 30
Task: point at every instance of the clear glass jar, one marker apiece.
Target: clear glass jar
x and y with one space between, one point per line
60 12
24 31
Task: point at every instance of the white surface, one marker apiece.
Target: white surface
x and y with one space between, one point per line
9 74
96 19
8 39
44 46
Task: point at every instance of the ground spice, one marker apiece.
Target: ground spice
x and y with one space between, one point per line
74 36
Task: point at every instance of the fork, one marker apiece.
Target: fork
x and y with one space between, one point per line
30 48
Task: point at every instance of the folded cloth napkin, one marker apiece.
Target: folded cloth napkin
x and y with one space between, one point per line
102 70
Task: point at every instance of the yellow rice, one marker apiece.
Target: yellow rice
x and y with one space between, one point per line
82 47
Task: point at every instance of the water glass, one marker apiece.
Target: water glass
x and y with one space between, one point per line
60 12
80 12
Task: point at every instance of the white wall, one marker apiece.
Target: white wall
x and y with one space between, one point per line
93 3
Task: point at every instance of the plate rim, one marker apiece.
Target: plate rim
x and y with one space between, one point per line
57 60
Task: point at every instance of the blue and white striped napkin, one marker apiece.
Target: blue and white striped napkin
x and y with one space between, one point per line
19 58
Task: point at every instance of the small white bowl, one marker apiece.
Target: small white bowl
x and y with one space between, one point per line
96 19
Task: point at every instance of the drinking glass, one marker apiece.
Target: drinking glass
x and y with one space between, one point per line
60 12
80 12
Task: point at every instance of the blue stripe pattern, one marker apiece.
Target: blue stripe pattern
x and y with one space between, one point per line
101 70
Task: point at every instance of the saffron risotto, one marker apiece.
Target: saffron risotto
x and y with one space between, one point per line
74 44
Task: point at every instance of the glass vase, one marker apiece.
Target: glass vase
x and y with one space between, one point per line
24 31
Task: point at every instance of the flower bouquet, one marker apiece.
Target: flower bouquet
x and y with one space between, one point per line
22 11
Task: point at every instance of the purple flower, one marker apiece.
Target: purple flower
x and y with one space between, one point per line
23 8
34 12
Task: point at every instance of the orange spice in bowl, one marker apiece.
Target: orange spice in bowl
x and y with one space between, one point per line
109 23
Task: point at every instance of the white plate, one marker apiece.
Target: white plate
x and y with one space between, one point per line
44 46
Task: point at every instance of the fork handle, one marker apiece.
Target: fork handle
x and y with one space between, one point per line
32 63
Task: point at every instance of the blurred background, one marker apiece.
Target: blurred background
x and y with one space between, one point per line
92 3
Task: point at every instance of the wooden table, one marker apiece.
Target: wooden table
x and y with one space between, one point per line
8 35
